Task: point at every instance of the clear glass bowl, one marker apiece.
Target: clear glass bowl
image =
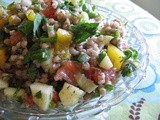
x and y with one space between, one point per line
15 111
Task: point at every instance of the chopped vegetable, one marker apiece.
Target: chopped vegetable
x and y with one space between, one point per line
91 11
2 35
116 34
4 81
26 27
86 84
83 30
128 69
40 55
70 95
49 12
42 94
101 56
83 58
47 39
116 56
13 93
109 87
32 72
38 95
16 37
37 24
30 15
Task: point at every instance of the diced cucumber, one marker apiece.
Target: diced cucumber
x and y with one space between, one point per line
3 83
14 93
86 84
107 39
42 94
70 95
106 63
4 80
84 17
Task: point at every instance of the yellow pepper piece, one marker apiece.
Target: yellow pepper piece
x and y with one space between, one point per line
116 56
30 14
3 57
64 39
64 36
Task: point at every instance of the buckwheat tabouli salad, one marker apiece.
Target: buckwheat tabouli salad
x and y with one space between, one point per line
60 52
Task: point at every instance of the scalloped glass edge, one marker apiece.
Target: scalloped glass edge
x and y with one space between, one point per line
123 88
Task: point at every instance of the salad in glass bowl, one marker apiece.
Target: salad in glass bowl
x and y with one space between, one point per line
65 57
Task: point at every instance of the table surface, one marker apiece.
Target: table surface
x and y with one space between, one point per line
144 102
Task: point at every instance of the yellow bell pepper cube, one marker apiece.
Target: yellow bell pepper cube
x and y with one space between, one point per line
30 14
115 55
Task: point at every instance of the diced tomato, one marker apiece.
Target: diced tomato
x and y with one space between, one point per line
92 74
16 37
67 72
29 100
55 97
49 12
48 2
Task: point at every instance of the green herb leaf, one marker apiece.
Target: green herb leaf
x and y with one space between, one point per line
36 53
40 55
128 69
26 27
83 58
16 92
38 95
130 53
32 72
68 6
134 53
109 87
20 100
91 11
101 56
2 35
116 34
52 105
83 30
47 39
37 24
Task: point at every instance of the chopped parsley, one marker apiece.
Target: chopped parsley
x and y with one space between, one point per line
38 95
128 69
109 87
83 30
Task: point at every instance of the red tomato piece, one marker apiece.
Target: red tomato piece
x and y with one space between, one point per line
16 37
55 97
29 100
92 74
49 12
67 72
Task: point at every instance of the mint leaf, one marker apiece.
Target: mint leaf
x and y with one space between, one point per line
37 24
26 27
83 30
